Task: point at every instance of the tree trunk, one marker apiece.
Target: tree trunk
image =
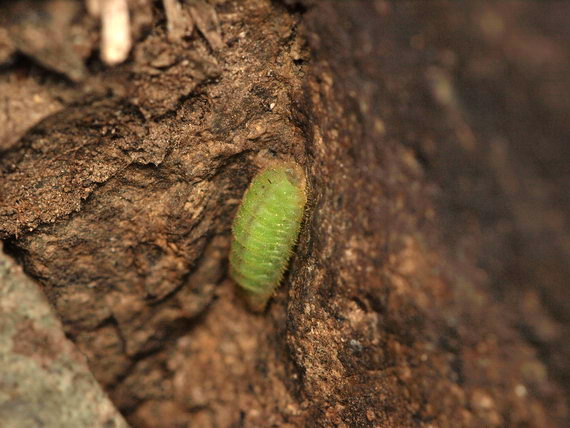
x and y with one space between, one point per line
428 285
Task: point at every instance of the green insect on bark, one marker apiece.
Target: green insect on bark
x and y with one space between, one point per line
265 230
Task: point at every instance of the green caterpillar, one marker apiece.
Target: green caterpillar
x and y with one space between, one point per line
265 230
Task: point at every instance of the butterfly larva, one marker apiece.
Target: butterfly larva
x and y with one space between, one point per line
265 230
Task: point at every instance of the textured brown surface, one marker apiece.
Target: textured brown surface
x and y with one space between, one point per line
44 380
428 285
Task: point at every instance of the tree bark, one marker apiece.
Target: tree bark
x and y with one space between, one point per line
45 380
428 283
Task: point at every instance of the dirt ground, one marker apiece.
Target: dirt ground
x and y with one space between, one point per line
429 284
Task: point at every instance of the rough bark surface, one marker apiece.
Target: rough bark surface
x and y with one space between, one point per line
44 380
428 285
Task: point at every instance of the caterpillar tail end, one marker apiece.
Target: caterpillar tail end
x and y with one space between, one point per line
255 299
256 302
